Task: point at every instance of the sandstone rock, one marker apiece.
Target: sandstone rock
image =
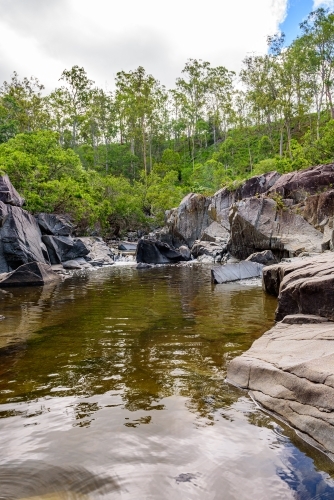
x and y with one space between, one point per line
54 225
298 185
289 371
257 224
32 274
8 193
20 238
266 258
234 272
187 222
156 252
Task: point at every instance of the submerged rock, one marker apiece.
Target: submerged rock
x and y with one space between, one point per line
289 371
32 274
234 272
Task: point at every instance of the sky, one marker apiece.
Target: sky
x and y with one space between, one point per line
41 38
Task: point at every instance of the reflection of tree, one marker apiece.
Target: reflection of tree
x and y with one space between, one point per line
146 335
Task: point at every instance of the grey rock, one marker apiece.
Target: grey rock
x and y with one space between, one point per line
144 265
126 246
184 250
215 233
210 249
63 248
289 371
32 274
71 264
265 258
301 319
54 224
234 272
8 193
99 252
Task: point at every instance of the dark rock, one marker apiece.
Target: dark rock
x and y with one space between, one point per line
289 371
257 224
298 185
256 185
234 272
156 252
302 319
266 258
210 249
63 248
54 225
144 265
185 252
8 193
20 238
127 246
32 274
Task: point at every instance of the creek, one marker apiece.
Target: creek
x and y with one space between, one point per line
112 385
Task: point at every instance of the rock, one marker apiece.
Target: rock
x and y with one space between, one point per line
256 185
20 238
298 185
266 258
273 275
144 265
289 371
234 272
187 222
63 248
2 317
215 233
32 274
54 225
8 193
99 252
185 252
156 252
127 246
210 249
257 224
301 319
72 264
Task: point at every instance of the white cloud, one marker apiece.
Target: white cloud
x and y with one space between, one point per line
323 3
43 38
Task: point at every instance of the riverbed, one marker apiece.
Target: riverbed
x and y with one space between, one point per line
112 385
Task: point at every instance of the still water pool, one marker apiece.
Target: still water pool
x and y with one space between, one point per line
112 385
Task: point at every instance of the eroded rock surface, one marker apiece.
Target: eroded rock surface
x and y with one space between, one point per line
289 371
54 224
32 274
234 272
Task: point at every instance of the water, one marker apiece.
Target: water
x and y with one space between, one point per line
112 385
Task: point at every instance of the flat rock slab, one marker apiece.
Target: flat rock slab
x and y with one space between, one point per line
32 274
289 371
234 272
127 246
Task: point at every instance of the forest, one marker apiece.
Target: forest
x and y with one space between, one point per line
116 160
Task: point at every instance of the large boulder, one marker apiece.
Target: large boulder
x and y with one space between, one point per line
54 224
20 238
209 249
8 193
63 248
289 371
32 274
187 222
234 272
298 185
266 258
260 224
99 252
157 252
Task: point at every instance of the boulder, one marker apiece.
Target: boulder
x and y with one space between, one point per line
63 248
54 224
32 274
234 272
156 252
72 264
266 258
215 233
289 371
187 222
210 249
20 238
259 224
302 319
126 246
99 252
298 185
8 193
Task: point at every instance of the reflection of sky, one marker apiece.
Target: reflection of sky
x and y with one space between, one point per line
298 10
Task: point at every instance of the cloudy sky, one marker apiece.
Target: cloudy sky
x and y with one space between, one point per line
43 37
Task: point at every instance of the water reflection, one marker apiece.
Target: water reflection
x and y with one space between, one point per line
122 373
